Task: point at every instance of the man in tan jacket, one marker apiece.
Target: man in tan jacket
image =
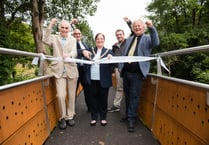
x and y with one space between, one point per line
66 73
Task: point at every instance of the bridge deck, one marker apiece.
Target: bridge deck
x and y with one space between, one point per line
115 133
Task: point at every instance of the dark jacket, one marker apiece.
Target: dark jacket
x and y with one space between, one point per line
105 70
79 49
145 46
117 51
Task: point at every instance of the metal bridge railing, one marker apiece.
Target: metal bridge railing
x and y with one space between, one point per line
24 53
202 48
168 104
184 51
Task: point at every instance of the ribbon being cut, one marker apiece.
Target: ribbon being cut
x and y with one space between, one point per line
113 59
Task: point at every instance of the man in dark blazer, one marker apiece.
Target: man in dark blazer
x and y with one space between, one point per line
134 73
81 46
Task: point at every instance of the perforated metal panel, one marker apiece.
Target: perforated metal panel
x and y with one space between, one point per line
170 132
187 104
147 98
53 114
34 132
26 113
181 115
19 105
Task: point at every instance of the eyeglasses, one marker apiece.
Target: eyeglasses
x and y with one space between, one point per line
64 28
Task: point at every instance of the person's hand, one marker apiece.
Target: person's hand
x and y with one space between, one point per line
126 19
53 21
87 54
74 21
66 55
109 56
149 23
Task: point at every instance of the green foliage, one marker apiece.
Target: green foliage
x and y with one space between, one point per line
87 33
6 63
171 41
21 35
203 76
182 24
7 71
15 20
68 9
15 10
18 37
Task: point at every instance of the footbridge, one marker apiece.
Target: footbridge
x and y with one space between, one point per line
172 111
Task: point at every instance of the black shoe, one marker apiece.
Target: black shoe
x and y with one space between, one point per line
124 119
113 109
62 124
71 122
131 126
93 122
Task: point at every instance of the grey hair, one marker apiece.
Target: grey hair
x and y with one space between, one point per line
139 20
64 21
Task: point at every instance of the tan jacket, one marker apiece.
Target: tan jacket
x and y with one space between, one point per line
57 67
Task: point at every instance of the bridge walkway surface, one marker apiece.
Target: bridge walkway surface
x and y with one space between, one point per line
115 133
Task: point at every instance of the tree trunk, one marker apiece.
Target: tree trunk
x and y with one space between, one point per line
37 27
37 24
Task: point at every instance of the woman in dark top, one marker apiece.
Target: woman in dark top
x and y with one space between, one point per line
99 79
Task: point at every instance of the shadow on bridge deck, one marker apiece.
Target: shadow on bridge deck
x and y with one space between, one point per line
115 133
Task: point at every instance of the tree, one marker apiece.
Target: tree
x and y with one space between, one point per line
34 12
16 14
61 9
182 24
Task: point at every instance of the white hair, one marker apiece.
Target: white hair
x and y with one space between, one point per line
62 22
141 21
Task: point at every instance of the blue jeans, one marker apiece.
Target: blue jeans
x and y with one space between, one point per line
132 83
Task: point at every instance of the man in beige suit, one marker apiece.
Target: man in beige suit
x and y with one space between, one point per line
66 73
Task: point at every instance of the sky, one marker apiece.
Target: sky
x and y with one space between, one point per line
109 17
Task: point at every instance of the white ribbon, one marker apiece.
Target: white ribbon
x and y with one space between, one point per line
113 59
121 59
70 60
163 64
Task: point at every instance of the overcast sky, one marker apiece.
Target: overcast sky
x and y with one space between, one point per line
109 17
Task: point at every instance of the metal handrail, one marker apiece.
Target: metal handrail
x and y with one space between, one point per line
202 48
18 52
4 87
24 53
186 82
184 51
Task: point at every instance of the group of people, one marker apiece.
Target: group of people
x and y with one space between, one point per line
96 78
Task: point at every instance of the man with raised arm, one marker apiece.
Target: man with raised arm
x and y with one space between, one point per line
66 73
139 44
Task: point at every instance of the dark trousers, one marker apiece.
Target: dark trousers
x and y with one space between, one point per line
84 85
98 101
132 83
